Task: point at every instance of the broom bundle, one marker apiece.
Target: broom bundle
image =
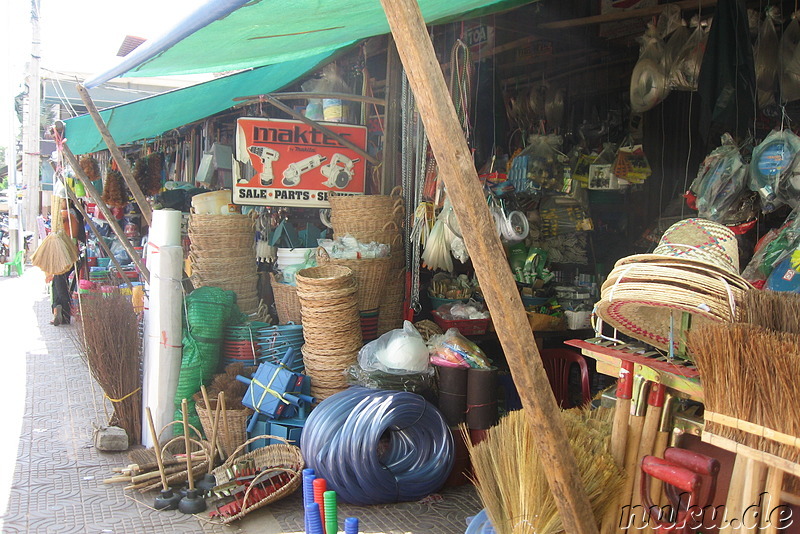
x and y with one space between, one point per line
749 377
56 254
147 173
111 347
90 167
511 480
114 192
779 311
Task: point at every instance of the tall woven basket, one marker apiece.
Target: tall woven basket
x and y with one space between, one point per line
331 326
235 434
390 314
287 303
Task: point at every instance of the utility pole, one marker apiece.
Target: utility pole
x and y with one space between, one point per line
31 128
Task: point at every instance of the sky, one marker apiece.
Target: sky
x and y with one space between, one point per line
76 36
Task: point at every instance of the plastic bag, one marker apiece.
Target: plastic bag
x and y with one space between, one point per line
765 57
674 45
546 164
398 351
649 78
459 310
720 182
631 164
790 60
375 379
327 109
451 349
685 68
770 160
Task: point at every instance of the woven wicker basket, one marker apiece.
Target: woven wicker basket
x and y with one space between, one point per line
287 303
237 424
370 275
390 313
272 459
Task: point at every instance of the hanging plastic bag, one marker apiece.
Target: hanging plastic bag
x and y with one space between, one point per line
770 159
669 21
685 68
580 171
720 182
546 163
601 171
649 79
787 189
765 58
630 163
790 60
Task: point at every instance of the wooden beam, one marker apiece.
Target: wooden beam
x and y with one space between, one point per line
624 15
92 227
497 283
327 131
112 221
304 96
116 153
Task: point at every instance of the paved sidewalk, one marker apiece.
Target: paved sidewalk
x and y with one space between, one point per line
49 404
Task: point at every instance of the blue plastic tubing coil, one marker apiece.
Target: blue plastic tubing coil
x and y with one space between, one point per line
341 438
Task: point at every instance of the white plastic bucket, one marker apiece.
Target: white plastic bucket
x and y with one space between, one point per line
293 256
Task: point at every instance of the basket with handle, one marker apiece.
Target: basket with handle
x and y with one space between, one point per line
276 459
237 423
287 303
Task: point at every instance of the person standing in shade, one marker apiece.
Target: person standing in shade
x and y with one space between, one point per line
61 288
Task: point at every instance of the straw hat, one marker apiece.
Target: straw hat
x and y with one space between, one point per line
692 270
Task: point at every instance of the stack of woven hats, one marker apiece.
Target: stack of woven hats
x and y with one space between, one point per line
222 255
691 278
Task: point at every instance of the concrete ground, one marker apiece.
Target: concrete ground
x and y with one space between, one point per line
51 475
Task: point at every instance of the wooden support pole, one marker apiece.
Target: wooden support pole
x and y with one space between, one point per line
93 228
112 221
116 153
483 243
390 177
327 131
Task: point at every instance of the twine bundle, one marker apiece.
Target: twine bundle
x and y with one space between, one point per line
223 256
511 481
750 374
110 345
331 326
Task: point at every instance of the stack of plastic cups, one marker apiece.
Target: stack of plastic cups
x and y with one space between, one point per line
331 514
320 486
308 494
351 525
313 521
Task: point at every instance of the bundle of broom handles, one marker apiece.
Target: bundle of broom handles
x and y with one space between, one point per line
641 427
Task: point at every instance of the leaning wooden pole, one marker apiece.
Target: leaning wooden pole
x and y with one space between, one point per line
497 284
112 221
116 153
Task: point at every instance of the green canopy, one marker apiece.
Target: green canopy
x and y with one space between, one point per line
155 115
265 32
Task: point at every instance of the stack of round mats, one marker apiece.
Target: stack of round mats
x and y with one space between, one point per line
240 344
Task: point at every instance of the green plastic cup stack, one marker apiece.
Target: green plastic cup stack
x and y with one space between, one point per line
331 516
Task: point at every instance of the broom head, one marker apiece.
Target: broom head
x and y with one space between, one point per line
56 254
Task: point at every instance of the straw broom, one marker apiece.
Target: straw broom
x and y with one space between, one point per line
56 254
511 480
750 373
111 348
774 310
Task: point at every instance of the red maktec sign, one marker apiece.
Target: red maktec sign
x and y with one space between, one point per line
295 164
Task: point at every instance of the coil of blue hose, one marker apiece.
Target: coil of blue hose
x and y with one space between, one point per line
341 437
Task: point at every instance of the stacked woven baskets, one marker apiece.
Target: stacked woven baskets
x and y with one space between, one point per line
376 218
223 256
331 326
287 304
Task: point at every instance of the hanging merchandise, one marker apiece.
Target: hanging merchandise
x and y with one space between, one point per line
770 160
547 166
436 255
721 181
649 80
674 45
601 171
341 439
790 60
631 163
765 57
554 107
685 66
114 193
580 170
562 215
787 189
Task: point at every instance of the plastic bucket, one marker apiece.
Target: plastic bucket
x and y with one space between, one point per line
213 203
293 256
